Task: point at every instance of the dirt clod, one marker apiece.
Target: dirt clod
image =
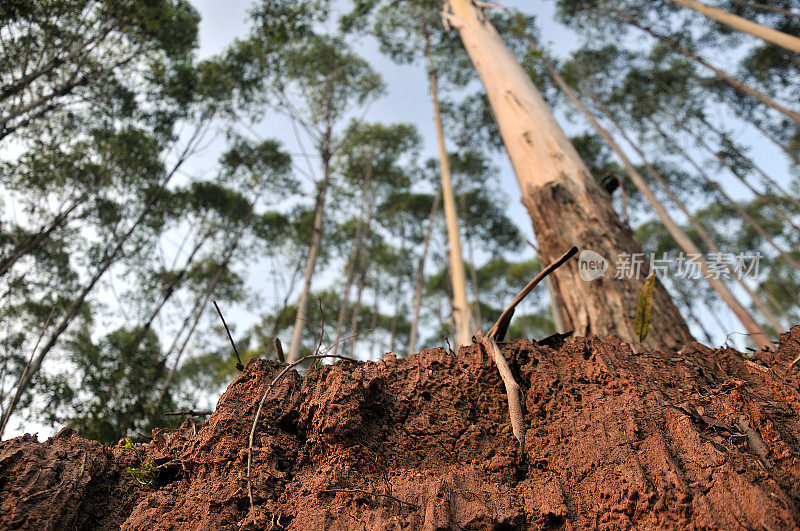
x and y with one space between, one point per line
613 439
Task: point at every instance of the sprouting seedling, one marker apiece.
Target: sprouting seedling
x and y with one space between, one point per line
147 471
644 312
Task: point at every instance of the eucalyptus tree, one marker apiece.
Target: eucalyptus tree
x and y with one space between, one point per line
58 56
613 17
373 162
771 35
559 193
410 33
681 237
327 80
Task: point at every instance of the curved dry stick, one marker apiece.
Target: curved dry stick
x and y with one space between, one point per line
258 414
499 329
512 390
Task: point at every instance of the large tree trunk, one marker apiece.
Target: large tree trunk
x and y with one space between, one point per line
412 336
458 277
566 207
311 262
730 80
742 24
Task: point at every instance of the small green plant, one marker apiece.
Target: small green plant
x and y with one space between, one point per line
644 311
147 471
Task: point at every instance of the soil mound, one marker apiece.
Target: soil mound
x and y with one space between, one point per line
614 439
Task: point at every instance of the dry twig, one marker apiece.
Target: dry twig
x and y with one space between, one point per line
188 413
512 390
261 405
239 365
498 331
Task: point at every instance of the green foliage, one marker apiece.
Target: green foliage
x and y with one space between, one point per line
146 473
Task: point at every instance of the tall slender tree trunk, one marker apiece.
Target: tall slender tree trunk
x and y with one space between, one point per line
113 250
678 234
368 200
356 317
730 80
34 240
736 206
736 173
698 227
461 309
742 24
689 308
420 278
758 5
311 259
566 207
398 286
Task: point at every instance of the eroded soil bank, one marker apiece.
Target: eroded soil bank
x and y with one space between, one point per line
614 439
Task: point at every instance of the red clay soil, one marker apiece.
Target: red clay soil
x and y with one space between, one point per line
701 439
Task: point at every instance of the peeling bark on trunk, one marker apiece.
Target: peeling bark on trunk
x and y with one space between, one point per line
566 207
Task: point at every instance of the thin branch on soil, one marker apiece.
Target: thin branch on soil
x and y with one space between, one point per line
377 494
797 358
261 405
239 365
512 390
498 331
188 413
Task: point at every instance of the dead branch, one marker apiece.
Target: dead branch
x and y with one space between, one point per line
279 350
188 413
498 331
512 390
239 365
